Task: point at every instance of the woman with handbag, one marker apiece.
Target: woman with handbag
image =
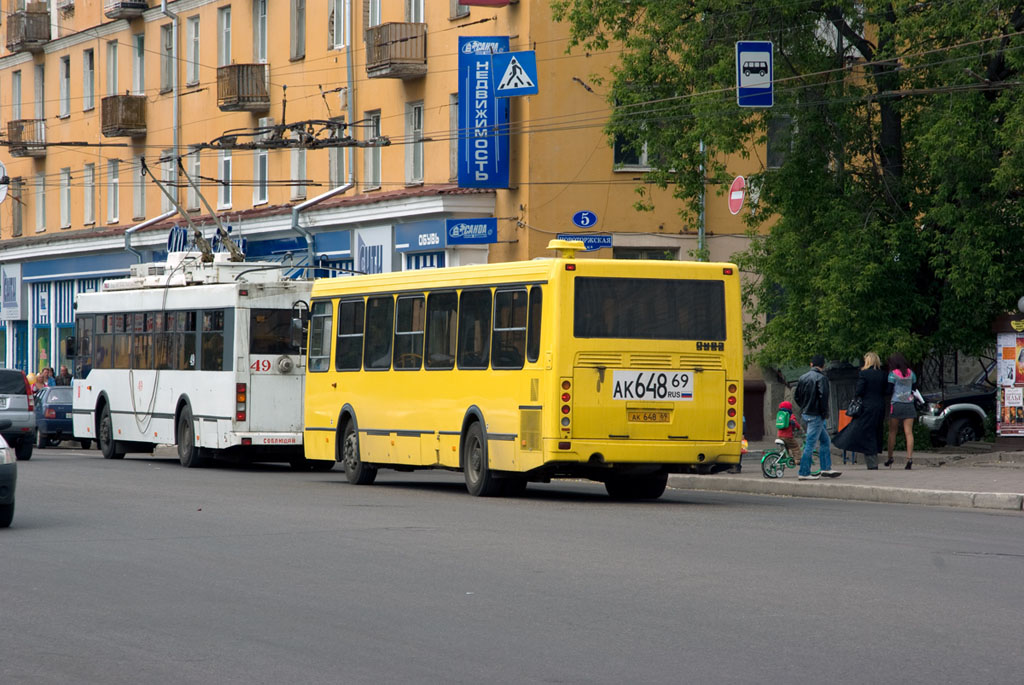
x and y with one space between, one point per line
864 433
902 382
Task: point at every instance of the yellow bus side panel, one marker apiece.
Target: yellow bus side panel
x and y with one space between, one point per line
449 448
319 444
501 455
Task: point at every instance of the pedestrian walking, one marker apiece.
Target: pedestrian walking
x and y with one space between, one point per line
902 382
864 433
812 396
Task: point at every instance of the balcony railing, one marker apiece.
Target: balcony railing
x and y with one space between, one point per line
124 9
396 50
29 29
243 88
27 137
124 115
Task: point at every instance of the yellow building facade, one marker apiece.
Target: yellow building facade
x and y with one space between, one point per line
94 91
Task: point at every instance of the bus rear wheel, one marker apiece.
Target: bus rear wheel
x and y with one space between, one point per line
480 481
188 452
105 436
356 471
650 486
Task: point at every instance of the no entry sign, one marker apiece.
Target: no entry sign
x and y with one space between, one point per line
736 192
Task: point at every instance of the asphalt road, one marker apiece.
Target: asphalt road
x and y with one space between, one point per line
140 571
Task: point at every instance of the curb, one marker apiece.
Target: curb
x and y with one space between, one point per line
862 493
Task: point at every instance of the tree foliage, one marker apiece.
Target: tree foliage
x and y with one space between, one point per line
894 221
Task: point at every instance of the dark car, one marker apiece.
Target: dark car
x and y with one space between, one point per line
17 405
8 478
53 417
957 413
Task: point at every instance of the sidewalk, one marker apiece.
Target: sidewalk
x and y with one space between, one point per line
968 476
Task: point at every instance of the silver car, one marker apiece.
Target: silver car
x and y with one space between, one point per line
8 479
17 405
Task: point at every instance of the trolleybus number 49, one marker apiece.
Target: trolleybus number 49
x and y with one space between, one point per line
652 385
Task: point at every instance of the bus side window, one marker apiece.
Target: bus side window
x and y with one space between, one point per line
187 340
319 354
509 344
83 360
441 312
409 333
213 341
103 353
474 328
533 331
349 353
163 345
122 341
379 322
142 342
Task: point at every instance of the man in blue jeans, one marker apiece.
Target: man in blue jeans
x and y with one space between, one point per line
812 396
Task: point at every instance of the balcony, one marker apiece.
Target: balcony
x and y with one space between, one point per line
124 9
27 137
29 29
396 50
124 115
242 88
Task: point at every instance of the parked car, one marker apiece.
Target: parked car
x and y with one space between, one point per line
957 413
17 405
53 417
8 479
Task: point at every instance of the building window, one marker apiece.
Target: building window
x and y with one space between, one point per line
112 67
169 177
223 36
259 31
192 51
456 10
260 173
224 196
414 146
138 189
113 191
89 194
453 137
65 86
193 171
40 202
373 13
88 80
65 197
16 95
372 154
139 64
166 58
298 176
336 158
298 29
630 155
414 11
338 23
16 192
780 140
40 105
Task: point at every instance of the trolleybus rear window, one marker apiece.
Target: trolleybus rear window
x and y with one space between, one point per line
270 332
649 309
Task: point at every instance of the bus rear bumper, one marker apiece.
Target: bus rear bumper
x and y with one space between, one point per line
266 439
676 457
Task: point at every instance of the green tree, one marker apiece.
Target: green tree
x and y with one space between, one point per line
893 221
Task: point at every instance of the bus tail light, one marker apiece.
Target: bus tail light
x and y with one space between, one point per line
240 396
731 400
565 408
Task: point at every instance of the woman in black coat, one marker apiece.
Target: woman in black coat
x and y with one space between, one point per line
864 433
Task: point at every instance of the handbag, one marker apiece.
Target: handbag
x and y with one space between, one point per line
919 404
856 408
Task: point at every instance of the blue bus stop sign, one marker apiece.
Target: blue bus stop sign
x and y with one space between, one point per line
754 73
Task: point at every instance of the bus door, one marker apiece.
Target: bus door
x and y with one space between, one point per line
275 373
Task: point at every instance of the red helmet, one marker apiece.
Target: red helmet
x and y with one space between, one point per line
785 404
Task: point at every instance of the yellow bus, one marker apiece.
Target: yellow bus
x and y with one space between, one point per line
618 371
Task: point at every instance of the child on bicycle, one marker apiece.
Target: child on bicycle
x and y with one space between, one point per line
786 424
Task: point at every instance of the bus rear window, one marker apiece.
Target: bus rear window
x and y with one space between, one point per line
270 332
649 309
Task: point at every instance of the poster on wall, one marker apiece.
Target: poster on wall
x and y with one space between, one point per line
42 349
1010 415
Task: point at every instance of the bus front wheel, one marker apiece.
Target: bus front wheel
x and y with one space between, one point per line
188 452
105 436
651 486
480 481
356 471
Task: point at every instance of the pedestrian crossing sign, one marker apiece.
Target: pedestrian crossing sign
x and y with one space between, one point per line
515 73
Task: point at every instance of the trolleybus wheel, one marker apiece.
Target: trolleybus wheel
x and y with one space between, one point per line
650 486
479 480
105 436
357 472
188 452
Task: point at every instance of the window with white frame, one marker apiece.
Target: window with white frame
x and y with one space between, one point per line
259 31
629 155
112 67
40 87
414 145
40 202
453 137
298 29
16 95
169 176
224 194
166 58
194 169
192 51
65 197
371 155
456 10
261 164
139 64
336 158
373 13
138 183
298 175
414 11
88 80
89 194
113 191
224 36
65 87
339 22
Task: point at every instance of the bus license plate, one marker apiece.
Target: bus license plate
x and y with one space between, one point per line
643 416
673 386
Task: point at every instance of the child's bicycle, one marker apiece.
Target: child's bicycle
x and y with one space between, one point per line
774 462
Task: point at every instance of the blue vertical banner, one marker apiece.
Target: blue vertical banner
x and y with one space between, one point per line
483 118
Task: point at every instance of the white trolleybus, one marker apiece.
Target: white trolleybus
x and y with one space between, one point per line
192 354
